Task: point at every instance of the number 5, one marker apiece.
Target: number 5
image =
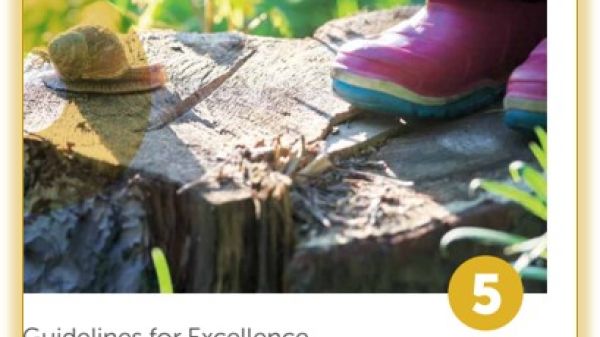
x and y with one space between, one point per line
483 290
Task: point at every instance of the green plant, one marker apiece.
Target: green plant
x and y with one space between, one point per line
347 7
531 195
43 19
161 267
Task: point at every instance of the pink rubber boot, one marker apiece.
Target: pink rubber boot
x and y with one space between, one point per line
451 58
525 100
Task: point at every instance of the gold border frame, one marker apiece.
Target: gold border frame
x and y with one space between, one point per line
16 263
583 150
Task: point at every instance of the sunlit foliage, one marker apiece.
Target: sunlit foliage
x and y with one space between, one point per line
288 18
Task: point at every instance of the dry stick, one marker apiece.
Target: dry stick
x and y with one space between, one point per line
314 210
373 176
35 135
373 210
297 156
199 95
190 185
205 178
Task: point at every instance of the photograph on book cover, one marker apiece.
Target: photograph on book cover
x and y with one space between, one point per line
311 146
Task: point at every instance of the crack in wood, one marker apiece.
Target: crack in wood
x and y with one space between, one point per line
198 96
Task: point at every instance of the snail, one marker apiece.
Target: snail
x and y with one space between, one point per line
94 59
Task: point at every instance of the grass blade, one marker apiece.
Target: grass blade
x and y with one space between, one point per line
162 271
521 247
539 154
346 7
541 134
525 199
481 235
534 179
534 273
529 256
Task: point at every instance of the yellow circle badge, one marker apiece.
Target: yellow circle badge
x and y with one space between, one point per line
485 293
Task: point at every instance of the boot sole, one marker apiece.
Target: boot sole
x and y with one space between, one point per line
380 102
523 120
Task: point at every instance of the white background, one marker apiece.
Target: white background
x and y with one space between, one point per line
341 315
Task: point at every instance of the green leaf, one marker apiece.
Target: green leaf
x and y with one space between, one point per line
534 179
534 273
525 199
124 11
525 246
539 154
481 235
346 7
541 134
531 255
162 271
280 22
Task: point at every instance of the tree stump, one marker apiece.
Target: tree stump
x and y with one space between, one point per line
225 188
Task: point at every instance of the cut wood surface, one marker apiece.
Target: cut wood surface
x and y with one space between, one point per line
284 87
244 221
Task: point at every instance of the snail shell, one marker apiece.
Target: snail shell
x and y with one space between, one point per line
89 52
94 59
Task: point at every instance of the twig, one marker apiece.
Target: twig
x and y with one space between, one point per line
373 176
373 210
35 135
297 156
191 185
314 210
199 95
